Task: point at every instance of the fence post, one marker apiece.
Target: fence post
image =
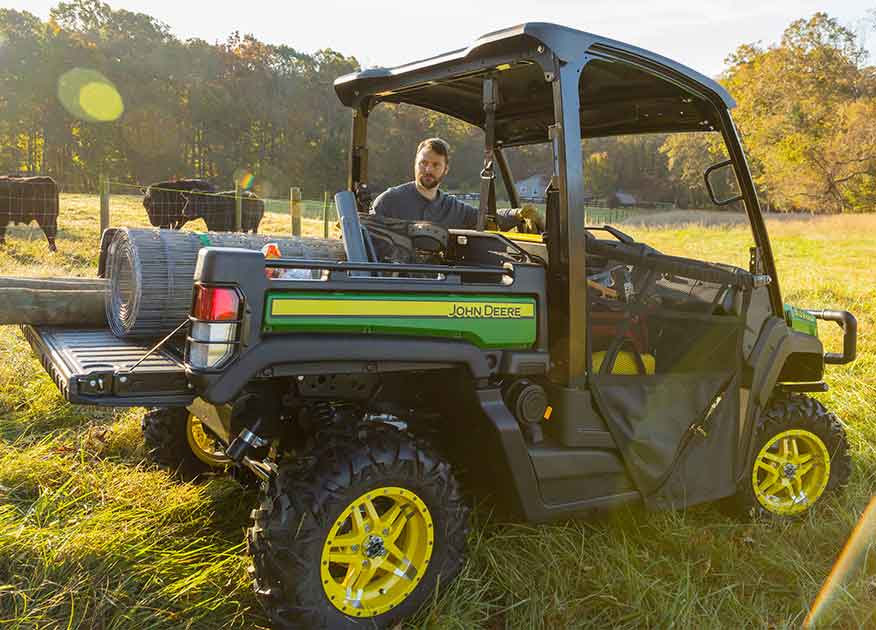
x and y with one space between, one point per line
238 208
104 203
325 209
295 209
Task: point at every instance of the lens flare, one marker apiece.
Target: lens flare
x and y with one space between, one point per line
101 101
267 181
851 557
244 179
90 96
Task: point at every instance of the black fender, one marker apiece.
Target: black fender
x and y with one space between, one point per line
283 353
776 344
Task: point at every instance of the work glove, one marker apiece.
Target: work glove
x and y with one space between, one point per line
530 220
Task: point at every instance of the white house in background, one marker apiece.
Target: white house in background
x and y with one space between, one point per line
532 187
621 199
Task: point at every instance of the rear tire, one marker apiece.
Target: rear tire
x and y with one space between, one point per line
177 442
800 454
361 538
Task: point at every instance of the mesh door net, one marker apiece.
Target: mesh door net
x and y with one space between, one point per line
665 355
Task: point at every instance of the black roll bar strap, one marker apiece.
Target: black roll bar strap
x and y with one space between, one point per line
488 176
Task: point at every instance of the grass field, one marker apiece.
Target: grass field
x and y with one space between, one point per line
92 537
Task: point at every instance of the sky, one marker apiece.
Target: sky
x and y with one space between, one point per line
388 33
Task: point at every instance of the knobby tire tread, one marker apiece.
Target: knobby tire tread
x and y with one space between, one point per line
298 507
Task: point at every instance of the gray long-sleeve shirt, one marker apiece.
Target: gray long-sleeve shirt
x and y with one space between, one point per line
405 202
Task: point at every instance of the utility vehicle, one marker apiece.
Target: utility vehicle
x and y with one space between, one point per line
559 373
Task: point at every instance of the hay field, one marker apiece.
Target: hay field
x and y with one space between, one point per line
92 537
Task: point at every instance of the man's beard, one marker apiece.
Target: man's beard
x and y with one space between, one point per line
428 181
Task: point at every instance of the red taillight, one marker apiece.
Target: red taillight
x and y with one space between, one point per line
216 304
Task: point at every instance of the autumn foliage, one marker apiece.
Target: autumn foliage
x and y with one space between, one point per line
242 108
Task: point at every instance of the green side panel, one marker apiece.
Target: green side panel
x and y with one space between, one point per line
801 320
488 321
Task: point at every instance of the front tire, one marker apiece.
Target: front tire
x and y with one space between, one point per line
800 454
360 539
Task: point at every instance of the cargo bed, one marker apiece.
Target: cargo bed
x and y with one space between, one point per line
92 367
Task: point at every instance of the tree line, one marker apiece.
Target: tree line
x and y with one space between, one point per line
95 91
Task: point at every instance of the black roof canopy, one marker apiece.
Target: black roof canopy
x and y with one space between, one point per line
624 89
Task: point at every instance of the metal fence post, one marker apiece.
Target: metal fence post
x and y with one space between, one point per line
325 209
295 209
104 203
238 208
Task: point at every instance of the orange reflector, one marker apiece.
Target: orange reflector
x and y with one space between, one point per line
271 250
548 412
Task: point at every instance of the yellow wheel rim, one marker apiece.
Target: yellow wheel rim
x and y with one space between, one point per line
203 445
790 472
377 551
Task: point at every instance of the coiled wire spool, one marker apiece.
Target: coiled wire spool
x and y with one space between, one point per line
151 273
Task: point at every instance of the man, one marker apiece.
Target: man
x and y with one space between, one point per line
422 200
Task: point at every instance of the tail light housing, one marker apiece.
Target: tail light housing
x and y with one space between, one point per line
215 326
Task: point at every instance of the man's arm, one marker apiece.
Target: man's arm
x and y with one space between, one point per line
460 214
457 214
383 204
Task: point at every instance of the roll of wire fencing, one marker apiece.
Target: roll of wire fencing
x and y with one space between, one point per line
151 273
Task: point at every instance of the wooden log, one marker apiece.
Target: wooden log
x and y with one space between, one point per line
53 302
65 284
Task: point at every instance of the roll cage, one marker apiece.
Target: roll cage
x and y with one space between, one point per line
540 82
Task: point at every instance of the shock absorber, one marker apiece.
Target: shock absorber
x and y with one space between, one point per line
248 438
256 422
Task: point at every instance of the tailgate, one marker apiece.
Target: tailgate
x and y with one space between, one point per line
90 367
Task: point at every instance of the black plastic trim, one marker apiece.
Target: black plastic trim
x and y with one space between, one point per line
290 349
565 463
519 469
525 363
803 387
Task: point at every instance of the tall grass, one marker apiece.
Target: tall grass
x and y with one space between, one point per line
91 537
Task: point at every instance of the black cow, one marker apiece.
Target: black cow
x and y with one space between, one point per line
26 199
164 201
218 211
